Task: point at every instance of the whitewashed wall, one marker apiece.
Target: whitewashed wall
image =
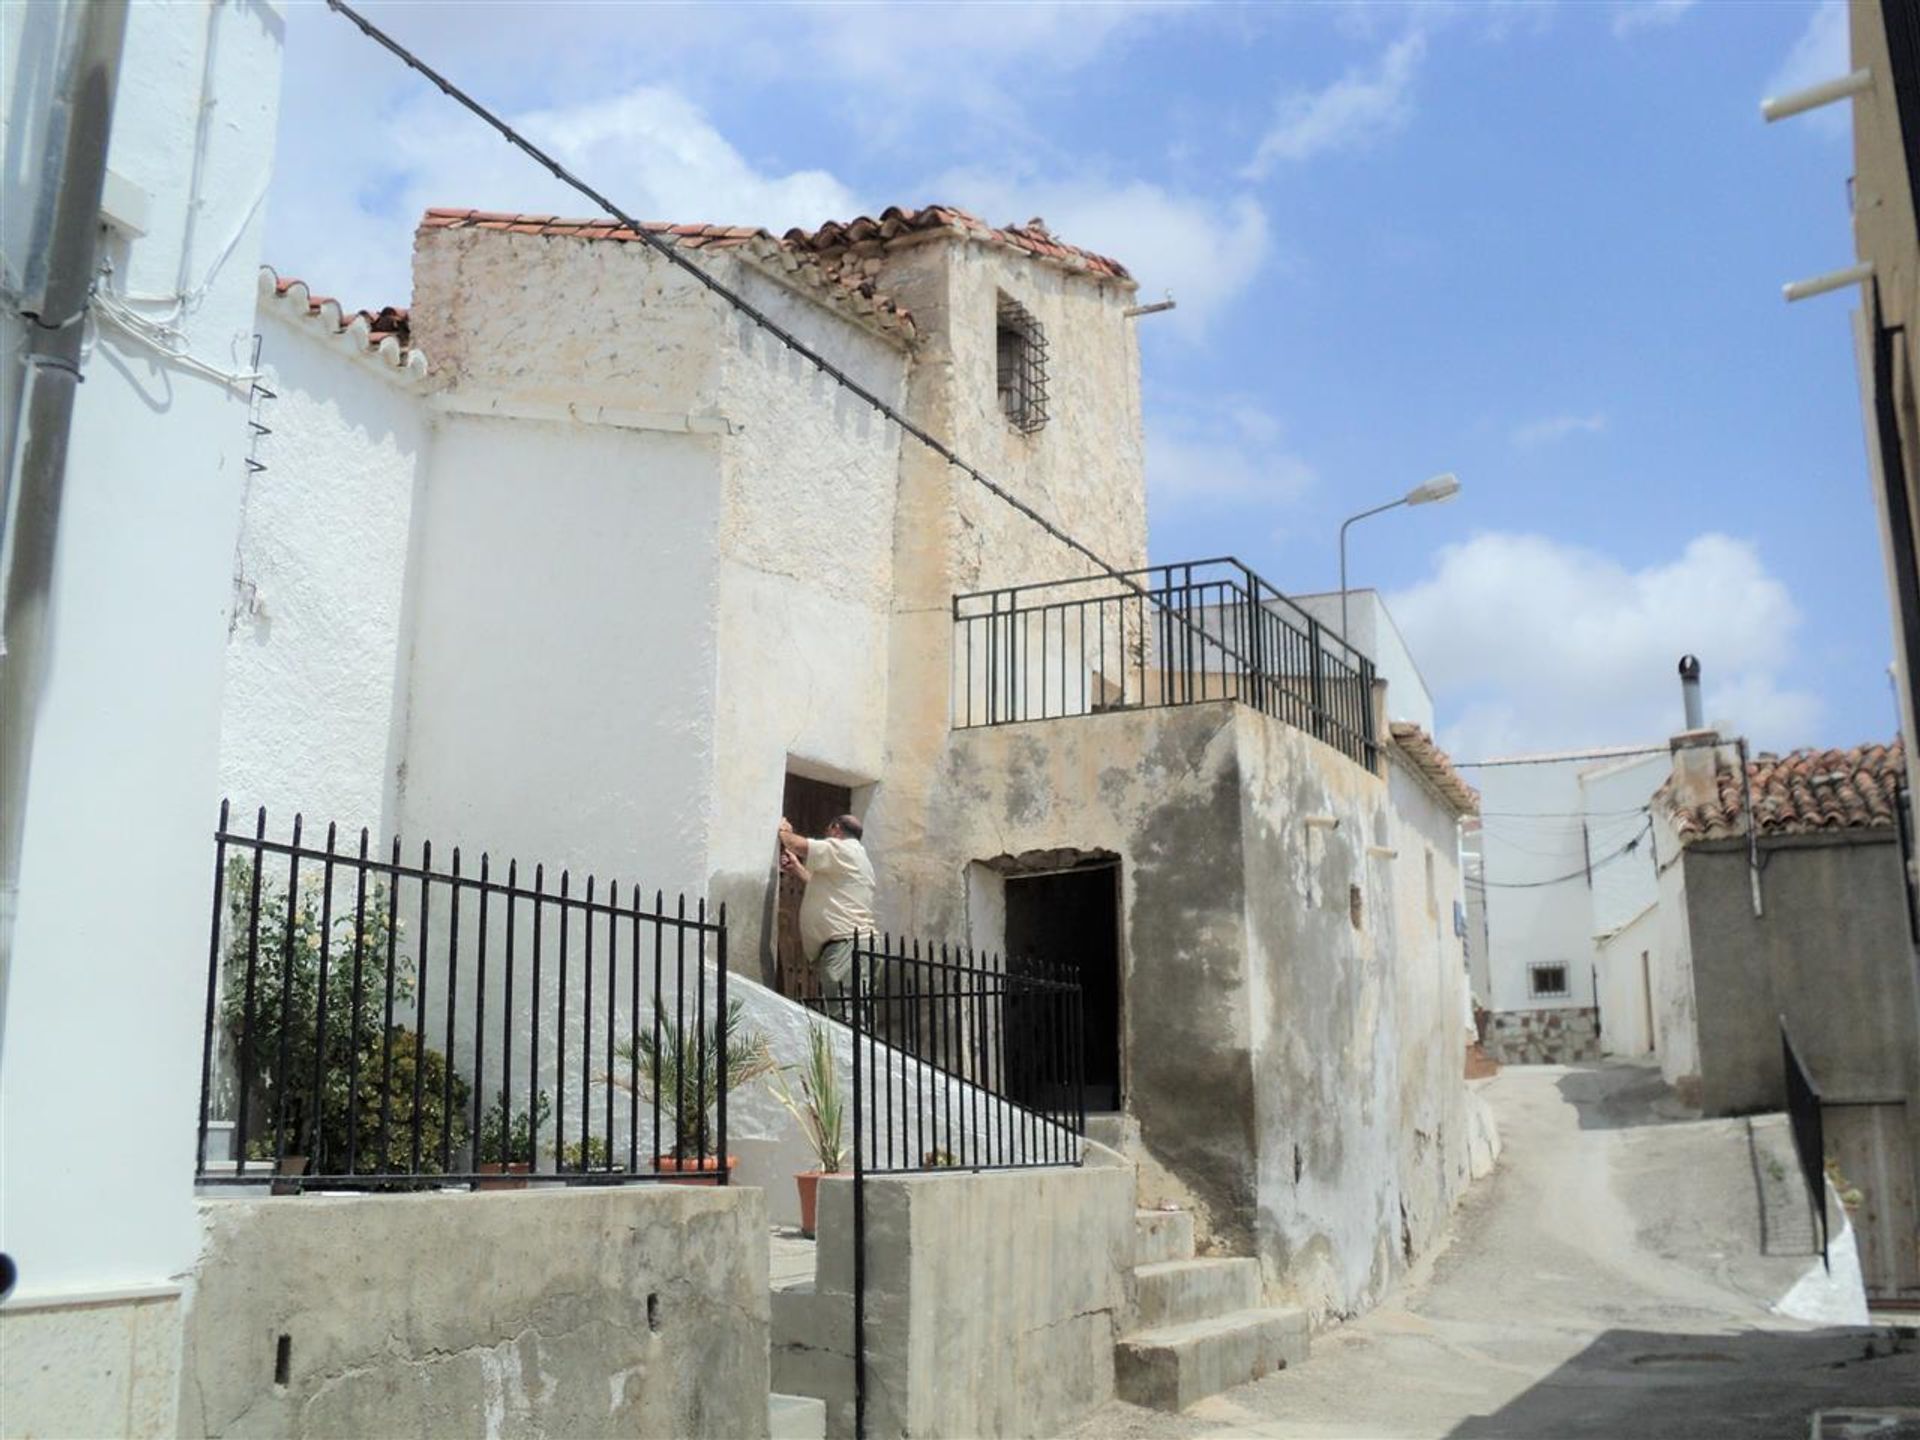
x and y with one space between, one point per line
109 964
1375 634
1627 984
314 706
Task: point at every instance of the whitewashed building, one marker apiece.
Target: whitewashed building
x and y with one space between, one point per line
1563 928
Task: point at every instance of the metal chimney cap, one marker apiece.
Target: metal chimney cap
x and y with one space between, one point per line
1689 667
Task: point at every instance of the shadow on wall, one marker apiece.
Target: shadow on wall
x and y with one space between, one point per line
1660 1385
1604 1102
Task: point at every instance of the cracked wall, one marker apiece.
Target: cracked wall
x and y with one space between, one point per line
637 1311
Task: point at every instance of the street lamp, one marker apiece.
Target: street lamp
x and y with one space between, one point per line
1440 487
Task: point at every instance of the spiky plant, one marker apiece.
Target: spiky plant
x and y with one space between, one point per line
820 1107
681 1066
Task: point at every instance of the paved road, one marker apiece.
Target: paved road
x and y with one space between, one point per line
1605 1281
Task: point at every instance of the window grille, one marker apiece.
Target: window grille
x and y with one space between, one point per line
1547 981
1021 347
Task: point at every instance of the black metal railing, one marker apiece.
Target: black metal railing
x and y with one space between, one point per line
1167 635
960 1062
1809 1132
373 1022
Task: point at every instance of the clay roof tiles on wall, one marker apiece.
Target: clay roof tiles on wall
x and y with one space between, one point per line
386 333
847 287
1804 792
1435 765
897 224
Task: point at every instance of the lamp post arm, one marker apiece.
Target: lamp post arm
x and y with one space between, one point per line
1391 504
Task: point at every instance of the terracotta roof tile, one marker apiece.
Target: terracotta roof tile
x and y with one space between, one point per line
386 332
1805 792
1435 765
849 289
895 223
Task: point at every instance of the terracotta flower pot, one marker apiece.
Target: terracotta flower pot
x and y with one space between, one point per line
512 1175
808 1183
707 1169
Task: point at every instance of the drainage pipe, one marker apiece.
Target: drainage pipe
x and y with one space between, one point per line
59 272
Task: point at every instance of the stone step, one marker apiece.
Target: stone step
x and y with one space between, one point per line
1176 1291
1160 1235
1172 1367
796 1417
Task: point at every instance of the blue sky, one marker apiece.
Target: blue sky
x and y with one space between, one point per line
1539 245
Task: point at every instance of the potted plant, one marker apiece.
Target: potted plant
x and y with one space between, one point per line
506 1144
682 1069
821 1109
590 1154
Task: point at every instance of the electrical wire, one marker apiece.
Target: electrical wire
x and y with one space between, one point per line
1626 849
672 253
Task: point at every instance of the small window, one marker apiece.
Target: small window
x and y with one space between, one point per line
1547 981
1021 350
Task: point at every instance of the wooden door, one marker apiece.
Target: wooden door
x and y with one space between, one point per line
811 805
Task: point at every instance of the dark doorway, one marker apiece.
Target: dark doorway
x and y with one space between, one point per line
811 805
1072 918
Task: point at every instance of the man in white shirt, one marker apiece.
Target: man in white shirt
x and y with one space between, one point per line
838 904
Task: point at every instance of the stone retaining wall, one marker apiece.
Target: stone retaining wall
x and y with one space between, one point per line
1544 1037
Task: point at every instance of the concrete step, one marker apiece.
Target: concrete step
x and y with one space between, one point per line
1171 1367
796 1417
1161 1235
1176 1291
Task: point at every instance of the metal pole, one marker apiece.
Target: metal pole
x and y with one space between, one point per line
859 1207
60 264
1391 504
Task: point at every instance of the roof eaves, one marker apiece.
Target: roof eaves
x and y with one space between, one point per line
382 335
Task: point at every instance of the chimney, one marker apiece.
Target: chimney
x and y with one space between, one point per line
1696 748
1690 690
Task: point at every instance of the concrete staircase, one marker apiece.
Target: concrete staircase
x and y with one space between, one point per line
1198 1325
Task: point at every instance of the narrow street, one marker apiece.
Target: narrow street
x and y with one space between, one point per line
1607 1280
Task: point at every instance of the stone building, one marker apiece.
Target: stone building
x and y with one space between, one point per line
593 570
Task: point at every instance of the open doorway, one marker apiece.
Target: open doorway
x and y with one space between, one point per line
1072 918
811 805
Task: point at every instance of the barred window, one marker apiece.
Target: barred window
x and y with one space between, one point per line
1021 347
1547 980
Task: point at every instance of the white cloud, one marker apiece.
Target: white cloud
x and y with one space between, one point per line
1821 53
1223 452
1530 643
1557 427
1205 252
1641 15
1357 109
661 155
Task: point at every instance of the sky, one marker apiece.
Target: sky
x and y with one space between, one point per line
1538 245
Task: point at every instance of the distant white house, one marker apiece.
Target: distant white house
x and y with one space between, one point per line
1564 956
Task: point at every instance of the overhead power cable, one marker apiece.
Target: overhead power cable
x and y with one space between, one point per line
673 255
1584 870
1555 759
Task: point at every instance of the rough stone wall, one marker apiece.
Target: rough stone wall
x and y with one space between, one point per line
993 1300
1085 470
1562 1036
806 537
637 1311
313 706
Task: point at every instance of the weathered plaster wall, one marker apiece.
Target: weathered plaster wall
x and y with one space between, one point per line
804 585
637 1311
993 1300
1085 470
1300 1075
1830 953
312 713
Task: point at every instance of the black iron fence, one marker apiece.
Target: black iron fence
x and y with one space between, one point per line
1168 635
960 1061
1809 1132
373 1022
